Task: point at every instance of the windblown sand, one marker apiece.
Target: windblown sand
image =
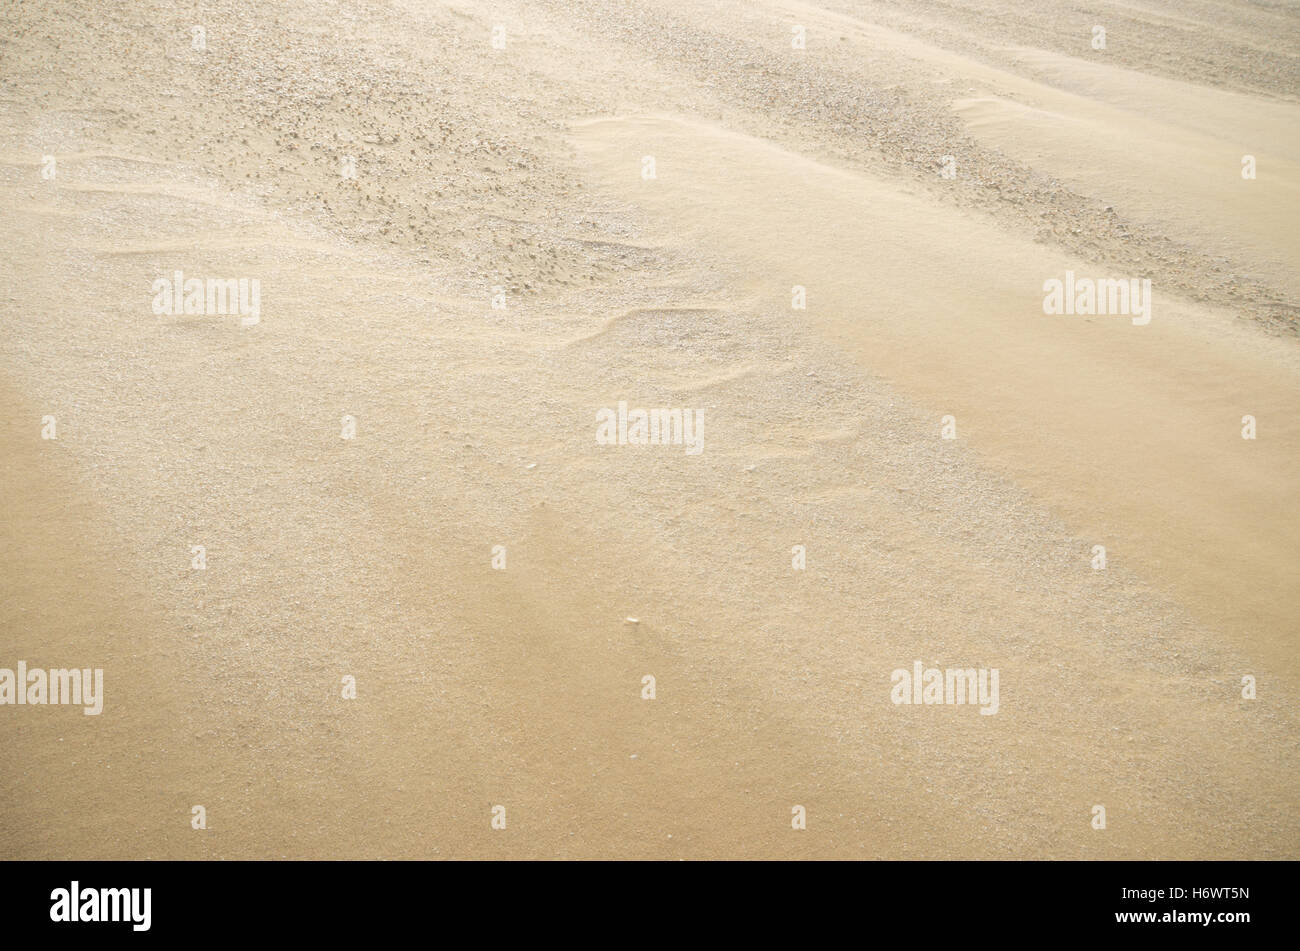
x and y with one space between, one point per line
517 174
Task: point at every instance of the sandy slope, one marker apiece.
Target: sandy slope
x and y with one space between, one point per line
520 169
1103 418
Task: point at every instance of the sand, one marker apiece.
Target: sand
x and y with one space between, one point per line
517 176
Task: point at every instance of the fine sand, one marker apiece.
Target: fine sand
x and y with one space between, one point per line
518 175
